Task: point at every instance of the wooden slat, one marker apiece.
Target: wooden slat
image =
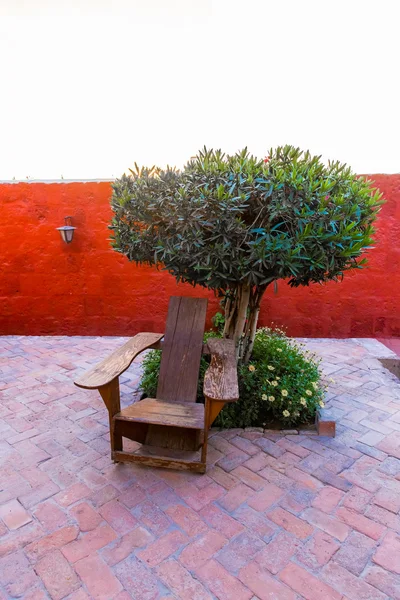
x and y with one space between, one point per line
115 364
160 461
182 349
220 381
188 415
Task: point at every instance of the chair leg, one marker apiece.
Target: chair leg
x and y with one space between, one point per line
111 398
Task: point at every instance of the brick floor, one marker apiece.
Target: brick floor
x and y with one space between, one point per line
292 516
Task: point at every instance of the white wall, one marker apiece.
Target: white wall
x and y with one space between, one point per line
90 86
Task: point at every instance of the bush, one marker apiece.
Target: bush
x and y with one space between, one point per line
281 383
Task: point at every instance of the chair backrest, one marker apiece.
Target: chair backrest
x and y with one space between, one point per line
182 349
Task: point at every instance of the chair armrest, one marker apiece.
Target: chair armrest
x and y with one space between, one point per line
221 380
115 364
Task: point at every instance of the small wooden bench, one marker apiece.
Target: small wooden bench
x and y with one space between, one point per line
172 428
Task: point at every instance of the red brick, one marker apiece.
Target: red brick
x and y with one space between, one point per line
98 578
278 552
51 542
355 554
57 575
257 462
198 552
318 550
328 499
16 574
79 595
357 499
198 499
255 522
72 494
305 479
245 445
223 585
227 480
232 459
50 515
348 584
187 519
249 477
389 499
86 516
132 496
179 581
88 543
38 594
162 548
388 554
327 523
149 515
307 585
20 537
239 551
105 494
293 524
383 516
294 448
122 547
38 495
265 498
14 515
118 516
137 579
385 582
263 585
235 497
391 444
220 521
361 523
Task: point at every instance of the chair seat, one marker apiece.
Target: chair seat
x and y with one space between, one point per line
189 415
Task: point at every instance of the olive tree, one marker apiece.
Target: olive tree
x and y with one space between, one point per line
236 224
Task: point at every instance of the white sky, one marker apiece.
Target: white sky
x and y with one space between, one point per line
90 86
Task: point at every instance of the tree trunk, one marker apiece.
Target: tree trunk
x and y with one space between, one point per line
242 308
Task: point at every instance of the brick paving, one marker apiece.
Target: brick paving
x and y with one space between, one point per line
282 517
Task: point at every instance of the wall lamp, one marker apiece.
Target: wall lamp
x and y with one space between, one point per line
67 231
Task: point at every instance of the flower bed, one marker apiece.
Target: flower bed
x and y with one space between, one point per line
281 386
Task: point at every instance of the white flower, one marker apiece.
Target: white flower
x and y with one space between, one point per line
264 397
277 377
309 392
303 401
322 404
315 385
279 350
252 368
284 393
271 368
286 413
271 398
274 383
331 380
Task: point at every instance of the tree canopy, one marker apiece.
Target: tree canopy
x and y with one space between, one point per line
235 224
224 220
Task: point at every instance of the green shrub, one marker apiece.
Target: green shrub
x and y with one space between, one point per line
281 383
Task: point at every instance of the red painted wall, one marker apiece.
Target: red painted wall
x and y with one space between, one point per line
85 288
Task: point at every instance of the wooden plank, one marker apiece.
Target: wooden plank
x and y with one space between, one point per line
220 381
115 364
175 438
111 398
188 415
160 461
182 349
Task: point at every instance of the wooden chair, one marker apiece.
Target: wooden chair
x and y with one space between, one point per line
173 428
